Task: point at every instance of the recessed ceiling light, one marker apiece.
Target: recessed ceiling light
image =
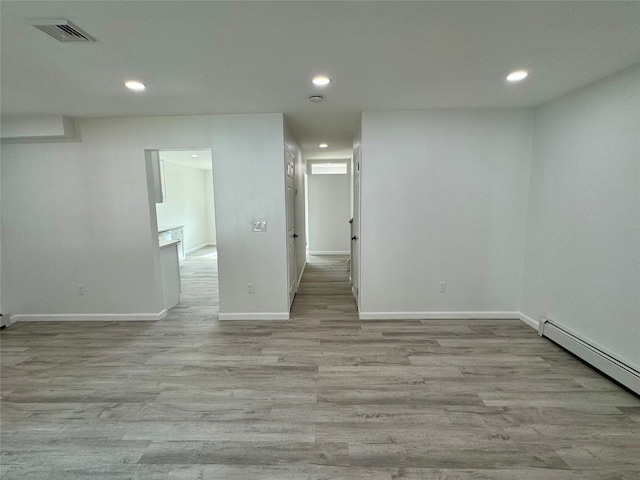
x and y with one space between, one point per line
135 85
194 156
321 80
323 145
517 76
316 98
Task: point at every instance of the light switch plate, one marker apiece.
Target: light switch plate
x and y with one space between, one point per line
259 226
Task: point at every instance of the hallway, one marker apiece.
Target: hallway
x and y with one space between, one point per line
324 291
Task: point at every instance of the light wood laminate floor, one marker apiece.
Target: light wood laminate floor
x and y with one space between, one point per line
321 396
199 281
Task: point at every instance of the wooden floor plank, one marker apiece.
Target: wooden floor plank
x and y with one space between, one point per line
323 395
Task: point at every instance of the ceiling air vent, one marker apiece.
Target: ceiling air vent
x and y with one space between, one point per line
62 30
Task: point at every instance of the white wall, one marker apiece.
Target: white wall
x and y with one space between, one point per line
248 173
186 203
329 213
210 206
444 198
20 127
582 264
78 213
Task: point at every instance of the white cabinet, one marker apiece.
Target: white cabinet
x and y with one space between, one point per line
170 273
172 233
155 173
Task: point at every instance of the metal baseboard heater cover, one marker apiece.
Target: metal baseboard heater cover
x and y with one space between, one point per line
606 363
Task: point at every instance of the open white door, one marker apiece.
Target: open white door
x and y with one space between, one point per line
355 237
289 168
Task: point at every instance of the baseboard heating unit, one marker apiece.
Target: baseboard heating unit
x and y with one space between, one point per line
606 363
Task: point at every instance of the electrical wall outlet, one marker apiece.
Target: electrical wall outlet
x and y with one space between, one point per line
443 287
249 287
80 289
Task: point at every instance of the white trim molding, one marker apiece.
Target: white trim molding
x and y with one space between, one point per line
300 276
328 252
254 316
8 320
438 315
529 321
198 247
88 317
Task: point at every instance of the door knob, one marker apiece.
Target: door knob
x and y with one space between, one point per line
354 238
295 235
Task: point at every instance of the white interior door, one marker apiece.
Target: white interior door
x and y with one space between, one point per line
355 239
289 168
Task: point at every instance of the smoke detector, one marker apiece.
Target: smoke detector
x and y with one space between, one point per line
61 29
316 98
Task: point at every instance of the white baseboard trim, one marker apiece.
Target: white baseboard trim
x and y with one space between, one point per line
198 247
438 315
529 321
88 317
253 316
300 276
328 252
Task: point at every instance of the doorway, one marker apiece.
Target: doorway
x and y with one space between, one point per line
329 207
185 218
328 203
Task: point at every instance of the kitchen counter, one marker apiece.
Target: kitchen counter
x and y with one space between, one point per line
166 228
166 243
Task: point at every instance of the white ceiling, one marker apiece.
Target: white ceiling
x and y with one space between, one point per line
257 57
186 158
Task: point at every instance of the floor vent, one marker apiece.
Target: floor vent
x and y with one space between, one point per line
606 363
62 30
